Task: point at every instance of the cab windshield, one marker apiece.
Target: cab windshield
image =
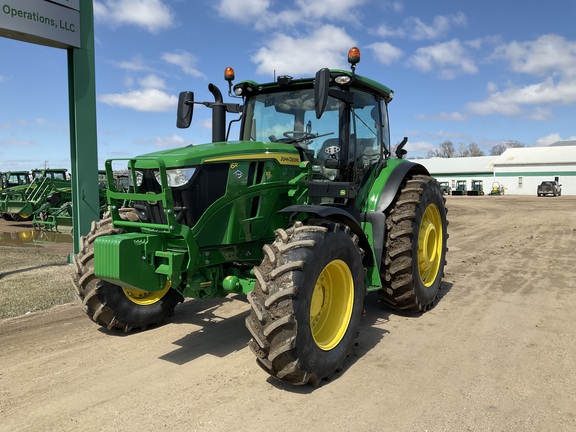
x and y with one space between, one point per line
290 117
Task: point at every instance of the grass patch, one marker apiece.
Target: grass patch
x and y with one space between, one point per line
33 279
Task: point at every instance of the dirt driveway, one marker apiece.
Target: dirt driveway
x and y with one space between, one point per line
497 353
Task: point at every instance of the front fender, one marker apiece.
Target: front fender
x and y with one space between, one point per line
335 214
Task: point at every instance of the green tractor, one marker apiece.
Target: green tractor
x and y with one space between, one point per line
14 178
476 189
9 180
445 188
48 187
305 213
56 212
460 188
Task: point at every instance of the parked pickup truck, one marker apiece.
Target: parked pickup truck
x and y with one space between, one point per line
549 188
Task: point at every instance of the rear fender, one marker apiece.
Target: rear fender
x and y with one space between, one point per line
389 188
382 195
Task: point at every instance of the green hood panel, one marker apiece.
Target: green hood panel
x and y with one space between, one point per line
221 151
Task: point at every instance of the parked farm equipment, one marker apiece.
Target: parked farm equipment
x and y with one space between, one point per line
460 188
14 178
47 188
445 188
497 189
476 189
46 200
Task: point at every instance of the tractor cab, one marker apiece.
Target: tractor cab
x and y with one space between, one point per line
338 122
51 173
342 144
460 188
14 178
476 189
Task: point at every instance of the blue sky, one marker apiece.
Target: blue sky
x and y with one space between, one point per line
465 71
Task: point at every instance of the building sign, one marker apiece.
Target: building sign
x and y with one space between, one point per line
54 23
72 4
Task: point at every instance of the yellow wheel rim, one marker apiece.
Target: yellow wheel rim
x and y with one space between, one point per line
430 245
331 305
145 298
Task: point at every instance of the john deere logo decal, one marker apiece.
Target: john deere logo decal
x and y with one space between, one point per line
282 158
342 192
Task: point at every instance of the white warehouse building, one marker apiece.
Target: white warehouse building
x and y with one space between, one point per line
519 170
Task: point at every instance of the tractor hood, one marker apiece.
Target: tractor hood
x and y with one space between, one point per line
231 151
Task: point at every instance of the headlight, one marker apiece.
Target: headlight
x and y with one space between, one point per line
139 178
176 177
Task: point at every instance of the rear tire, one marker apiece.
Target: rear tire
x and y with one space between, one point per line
307 302
113 306
416 235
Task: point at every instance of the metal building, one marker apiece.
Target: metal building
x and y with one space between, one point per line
519 170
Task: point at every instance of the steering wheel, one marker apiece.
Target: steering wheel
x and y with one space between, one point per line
299 135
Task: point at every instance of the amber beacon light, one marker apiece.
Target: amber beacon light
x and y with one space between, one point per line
354 56
229 74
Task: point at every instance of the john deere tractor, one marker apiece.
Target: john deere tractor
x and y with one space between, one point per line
304 214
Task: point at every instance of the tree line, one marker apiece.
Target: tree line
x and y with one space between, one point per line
447 149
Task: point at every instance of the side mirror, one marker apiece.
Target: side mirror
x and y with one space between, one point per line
400 152
185 109
321 88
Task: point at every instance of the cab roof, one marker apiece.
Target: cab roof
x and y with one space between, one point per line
357 81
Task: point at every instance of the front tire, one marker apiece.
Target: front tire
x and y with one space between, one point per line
113 306
416 235
307 302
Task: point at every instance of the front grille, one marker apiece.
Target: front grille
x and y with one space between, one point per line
190 201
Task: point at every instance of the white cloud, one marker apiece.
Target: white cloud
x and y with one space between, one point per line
150 100
511 101
16 143
491 87
169 141
540 57
551 139
443 116
549 56
325 47
152 15
152 81
548 139
439 27
396 6
243 11
447 59
185 60
386 31
330 9
136 64
384 52
540 114
415 28
261 15
417 147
